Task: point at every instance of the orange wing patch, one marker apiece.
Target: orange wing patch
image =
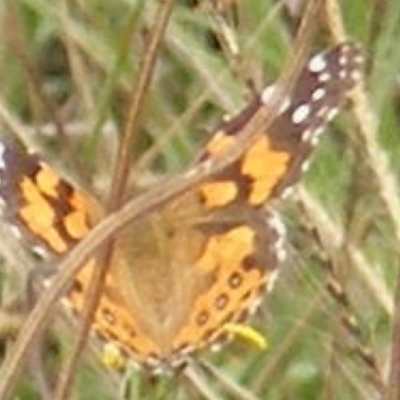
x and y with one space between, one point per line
255 175
42 197
38 216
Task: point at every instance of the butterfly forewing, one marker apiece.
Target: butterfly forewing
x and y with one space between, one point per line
41 208
276 159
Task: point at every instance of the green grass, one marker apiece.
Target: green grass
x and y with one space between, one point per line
76 64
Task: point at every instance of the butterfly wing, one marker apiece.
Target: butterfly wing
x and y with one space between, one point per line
274 163
38 205
243 242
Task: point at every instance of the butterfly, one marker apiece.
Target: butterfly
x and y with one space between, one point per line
185 271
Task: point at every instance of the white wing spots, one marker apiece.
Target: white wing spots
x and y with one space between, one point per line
318 94
343 59
16 232
324 77
276 223
271 280
267 94
281 253
270 95
301 113
331 113
280 229
356 75
315 135
312 135
305 166
40 251
323 112
2 151
317 64
307 135
287 192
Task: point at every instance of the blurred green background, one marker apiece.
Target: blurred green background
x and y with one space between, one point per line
66 73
